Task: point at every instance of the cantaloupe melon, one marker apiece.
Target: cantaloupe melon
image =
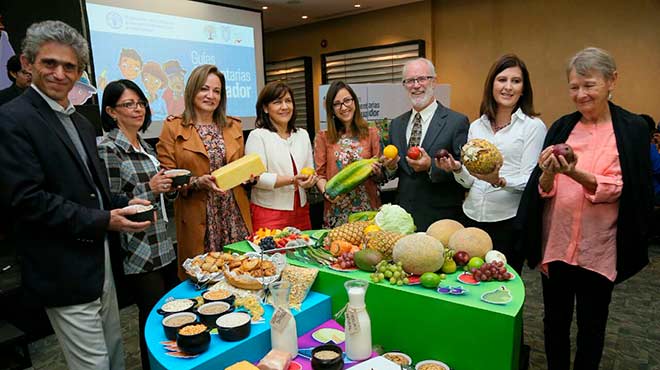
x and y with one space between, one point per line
419 253
443 230
472 240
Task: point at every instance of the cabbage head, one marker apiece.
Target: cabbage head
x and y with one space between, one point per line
394 218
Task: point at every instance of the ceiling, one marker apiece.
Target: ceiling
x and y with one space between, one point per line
287 13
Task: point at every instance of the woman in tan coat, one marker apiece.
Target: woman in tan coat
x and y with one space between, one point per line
201 141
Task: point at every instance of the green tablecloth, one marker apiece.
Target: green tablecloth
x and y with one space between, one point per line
462 331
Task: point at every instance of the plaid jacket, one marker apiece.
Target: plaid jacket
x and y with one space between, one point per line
129 172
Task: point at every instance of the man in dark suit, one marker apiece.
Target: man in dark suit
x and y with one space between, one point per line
425 191
55 188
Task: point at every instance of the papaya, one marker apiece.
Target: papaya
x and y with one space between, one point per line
362 216
349 177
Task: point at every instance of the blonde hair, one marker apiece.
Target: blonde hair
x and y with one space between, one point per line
195 82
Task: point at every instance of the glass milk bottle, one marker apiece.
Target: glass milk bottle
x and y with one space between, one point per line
283 335
358 324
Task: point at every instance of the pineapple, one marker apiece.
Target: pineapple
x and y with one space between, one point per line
480 156
383 241
351 232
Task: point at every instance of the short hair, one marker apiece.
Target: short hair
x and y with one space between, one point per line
592 58
111 95
525 102
271 92
55 31
13 65
154 69
130 53
335 127
428 63
196 80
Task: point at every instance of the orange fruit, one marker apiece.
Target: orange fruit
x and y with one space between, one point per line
390 151
308 171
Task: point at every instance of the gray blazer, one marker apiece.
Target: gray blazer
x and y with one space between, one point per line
429 197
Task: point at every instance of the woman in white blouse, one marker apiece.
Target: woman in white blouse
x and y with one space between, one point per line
508 120
278 199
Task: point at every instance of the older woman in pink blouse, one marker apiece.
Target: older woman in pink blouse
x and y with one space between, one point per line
586 217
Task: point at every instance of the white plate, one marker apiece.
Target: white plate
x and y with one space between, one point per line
380 363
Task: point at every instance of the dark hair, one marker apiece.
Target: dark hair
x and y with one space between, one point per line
526 101
196 80
130 53
335 127
154 69
271 92
111 95
13 65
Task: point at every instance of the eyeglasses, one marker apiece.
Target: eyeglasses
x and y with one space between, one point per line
133 104
409 82
347 102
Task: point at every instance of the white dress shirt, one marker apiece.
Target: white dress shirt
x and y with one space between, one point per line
520 143
427 114
276 153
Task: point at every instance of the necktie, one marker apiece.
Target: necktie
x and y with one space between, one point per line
416 133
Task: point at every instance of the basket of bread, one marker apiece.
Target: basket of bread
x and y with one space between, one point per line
254 270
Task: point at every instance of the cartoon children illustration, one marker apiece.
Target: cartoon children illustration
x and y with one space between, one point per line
173 95
130 66
154 80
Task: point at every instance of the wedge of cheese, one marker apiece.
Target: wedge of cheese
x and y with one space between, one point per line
238 171
243 365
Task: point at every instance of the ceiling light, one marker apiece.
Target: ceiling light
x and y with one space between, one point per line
357 5
264 7
304 17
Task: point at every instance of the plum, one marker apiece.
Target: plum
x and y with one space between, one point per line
564 150
442 153
461 258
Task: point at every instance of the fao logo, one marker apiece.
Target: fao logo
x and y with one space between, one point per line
114 20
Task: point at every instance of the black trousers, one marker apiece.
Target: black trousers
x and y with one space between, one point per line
504 239
590 293
147 289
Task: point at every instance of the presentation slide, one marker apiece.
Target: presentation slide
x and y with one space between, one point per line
158 51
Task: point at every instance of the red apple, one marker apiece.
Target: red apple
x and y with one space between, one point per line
442 153
461 258
564 150
414 153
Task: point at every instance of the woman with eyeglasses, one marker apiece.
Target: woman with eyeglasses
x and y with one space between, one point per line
347 139
201 141
278 199
134 171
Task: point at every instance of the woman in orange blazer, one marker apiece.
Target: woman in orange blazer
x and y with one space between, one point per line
201 141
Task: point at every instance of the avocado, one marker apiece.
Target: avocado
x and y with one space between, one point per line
367 259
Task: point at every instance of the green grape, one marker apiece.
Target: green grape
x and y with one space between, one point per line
399 264
396 274
392 281
406 281
388 274
381 276
443 276
382 268
399 283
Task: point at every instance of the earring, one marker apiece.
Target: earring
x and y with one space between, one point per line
609 95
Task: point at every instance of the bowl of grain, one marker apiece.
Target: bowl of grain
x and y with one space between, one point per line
234 326
210 312
193 338
179 177
327 357
172 323
175 306
219 295
398 358
431 365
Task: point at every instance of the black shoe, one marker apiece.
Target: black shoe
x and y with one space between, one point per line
523 363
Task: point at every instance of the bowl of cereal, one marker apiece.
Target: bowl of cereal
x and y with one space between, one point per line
193 338
431 365
327 357
398 358
175 306
210 312
172 323
219 295
234 326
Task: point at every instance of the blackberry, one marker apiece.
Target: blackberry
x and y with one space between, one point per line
267 243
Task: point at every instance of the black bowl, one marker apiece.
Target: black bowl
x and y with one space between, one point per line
171 326
193 344
209 312
335 363
145 213
234 326
229 299
182 177
166 311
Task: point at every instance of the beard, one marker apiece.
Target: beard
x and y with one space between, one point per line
422 101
